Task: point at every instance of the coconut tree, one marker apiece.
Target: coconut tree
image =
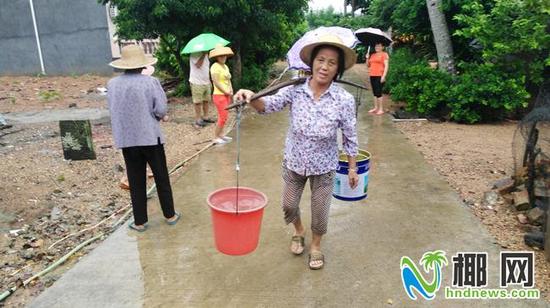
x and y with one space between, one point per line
442 38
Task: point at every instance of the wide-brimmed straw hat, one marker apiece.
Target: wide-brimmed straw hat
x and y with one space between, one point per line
220 51
350 57
132 57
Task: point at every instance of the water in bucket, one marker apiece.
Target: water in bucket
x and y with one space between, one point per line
236 224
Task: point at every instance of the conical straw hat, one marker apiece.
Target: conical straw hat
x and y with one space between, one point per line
350 57
220 51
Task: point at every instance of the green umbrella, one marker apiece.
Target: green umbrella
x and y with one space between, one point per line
204 42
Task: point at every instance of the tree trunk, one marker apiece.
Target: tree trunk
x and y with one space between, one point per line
237 67
442 39
353 7
345 7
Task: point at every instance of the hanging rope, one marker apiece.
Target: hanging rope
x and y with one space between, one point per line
238 162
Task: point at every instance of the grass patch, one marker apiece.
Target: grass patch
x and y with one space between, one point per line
49 95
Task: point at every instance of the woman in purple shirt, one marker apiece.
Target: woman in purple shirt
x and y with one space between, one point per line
317 109
137 103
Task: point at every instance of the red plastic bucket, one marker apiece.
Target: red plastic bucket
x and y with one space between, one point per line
236 231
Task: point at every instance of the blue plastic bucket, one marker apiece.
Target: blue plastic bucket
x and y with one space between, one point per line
342 190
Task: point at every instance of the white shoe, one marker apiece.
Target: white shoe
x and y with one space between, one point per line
219 141
227 138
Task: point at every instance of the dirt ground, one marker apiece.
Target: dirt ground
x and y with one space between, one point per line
472 158
44 198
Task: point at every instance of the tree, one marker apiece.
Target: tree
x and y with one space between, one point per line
512 35
324 17
442 39
355 5
409 19
260 31
345 7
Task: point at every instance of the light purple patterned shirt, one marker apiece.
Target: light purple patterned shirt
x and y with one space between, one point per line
137 103
311 146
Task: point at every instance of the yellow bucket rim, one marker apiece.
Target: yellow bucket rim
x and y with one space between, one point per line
364 153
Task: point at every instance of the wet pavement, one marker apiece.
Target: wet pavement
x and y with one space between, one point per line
410 210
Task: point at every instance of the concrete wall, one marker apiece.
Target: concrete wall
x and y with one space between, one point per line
18 53
74 37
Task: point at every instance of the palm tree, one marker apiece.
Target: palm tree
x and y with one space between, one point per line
442 38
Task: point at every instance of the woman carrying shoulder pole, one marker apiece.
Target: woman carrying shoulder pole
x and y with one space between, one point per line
317 109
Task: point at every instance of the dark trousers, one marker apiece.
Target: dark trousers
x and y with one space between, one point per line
136 159
376 84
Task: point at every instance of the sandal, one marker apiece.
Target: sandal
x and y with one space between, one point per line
133 226
315 256
373 110
173 222
299 241
124 186
199 124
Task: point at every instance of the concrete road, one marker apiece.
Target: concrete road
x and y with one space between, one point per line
410 210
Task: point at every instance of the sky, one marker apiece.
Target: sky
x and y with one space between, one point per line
323 4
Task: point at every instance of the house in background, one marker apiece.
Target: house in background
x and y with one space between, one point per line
149 46
59 37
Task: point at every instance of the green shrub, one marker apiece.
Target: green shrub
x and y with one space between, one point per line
409 79
183 89
167 62
361 52
253 77
483 93
425 90
400 61
479 93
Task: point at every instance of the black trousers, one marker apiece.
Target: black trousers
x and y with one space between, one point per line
136 159
376 84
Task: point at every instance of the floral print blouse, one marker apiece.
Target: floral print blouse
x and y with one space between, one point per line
311 146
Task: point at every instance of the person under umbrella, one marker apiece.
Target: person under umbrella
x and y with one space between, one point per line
199 79
317 109
199 75
378 64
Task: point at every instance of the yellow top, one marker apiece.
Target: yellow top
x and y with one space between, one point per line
221 73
